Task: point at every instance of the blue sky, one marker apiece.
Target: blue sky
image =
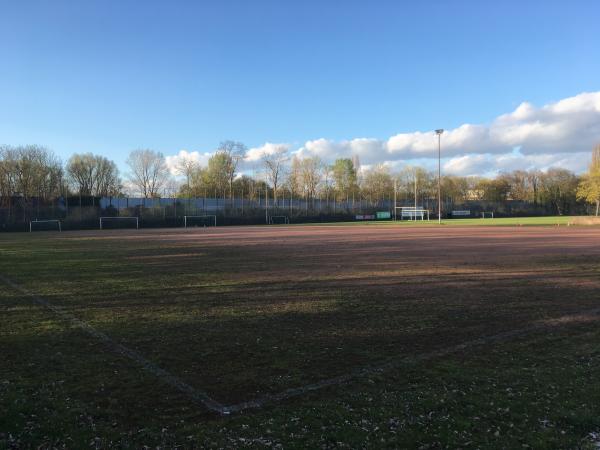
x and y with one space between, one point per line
112 76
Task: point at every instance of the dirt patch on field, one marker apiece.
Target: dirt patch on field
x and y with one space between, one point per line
585 221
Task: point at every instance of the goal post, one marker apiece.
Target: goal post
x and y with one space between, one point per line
203 220
273 220
105 220
33 224
487 215
412 213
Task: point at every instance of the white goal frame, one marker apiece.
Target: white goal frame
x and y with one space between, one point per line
185 218
411 213
45 221
286 219
137 221
488 213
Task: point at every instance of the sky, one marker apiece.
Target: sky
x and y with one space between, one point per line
516 84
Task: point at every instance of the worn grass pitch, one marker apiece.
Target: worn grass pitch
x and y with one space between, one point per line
247 313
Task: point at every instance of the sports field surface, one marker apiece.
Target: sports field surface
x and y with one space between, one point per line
301 337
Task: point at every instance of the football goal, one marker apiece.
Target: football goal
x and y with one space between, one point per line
273 220
44 225
200 221
412 213
487 215
116 222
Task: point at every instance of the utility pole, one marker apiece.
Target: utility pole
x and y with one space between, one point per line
415 173
395 196
266 205
439 135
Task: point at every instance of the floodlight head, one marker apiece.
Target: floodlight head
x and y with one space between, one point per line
440 131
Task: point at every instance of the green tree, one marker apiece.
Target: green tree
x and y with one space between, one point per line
345 177
559 189
217 173
495 190
589 187
455 189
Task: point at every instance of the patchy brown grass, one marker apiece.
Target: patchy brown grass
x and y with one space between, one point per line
243 312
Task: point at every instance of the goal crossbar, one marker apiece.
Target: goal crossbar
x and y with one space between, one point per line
31 222
205 216
412 213
103 219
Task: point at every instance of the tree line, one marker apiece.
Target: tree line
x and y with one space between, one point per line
35 172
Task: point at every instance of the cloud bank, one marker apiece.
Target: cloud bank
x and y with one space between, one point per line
559 134
174 161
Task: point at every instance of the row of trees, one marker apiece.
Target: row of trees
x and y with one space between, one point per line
32 171
285 175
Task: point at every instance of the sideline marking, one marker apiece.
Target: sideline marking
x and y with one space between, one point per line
162 374
407 360
203 398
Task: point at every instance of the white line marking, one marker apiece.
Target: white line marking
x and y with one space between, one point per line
162 374
404 361
203 399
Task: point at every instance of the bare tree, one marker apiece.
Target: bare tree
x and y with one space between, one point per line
327 180
30 171
149 171
377 183
235 152
188 168
93 175
274 163
311 176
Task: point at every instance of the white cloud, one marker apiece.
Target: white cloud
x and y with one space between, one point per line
487 164
257 153
557 134
569 126
183 155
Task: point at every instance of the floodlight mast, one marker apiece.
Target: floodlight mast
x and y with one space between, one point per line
439 135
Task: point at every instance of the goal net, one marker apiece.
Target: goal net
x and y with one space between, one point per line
200 221
45 225
412 213
273 220
487 215
119 222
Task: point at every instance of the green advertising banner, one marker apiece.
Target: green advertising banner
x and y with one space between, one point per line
383 215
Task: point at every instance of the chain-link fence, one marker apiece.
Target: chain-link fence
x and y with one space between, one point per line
77 212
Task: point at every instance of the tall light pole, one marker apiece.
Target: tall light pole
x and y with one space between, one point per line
439 135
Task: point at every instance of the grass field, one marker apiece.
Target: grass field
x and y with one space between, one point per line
301 337
495 222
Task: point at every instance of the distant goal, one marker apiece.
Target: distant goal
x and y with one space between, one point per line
274 220
45 225
119 222
205 220
412 213
487 215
